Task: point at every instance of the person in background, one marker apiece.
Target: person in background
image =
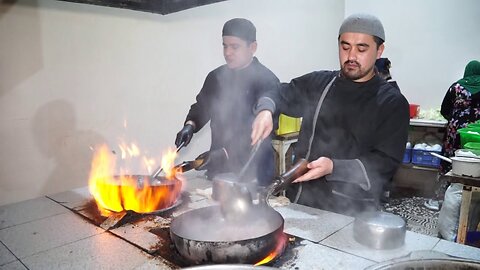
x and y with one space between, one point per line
354 127
227 100
460 106
383 66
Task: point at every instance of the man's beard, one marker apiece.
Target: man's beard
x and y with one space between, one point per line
354 74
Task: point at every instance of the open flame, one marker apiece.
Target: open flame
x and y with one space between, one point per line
281 243
138 193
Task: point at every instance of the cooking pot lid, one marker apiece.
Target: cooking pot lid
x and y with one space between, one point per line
466 159
381 219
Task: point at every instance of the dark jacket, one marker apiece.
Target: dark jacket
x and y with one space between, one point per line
227 99
362 127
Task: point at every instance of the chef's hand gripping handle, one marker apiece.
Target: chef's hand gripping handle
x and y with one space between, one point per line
280 183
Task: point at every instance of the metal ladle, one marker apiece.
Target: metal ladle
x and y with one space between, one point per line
238 201
160 168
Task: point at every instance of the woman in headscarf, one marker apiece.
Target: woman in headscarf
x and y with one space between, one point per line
461 106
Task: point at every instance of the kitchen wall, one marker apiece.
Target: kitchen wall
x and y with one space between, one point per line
429 43
74 75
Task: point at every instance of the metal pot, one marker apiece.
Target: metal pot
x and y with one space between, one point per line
134 192
379 230
431 260
204 236
230 267
467 166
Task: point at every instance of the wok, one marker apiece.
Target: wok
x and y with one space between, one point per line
204 236
207 235
141 193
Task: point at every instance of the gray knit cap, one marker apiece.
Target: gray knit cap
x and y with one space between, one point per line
363 23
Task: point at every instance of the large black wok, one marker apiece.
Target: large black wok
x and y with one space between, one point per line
208 235
205 236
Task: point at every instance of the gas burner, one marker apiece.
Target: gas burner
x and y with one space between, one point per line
118 219
168 251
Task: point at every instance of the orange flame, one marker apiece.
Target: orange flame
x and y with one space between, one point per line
131 192
276 252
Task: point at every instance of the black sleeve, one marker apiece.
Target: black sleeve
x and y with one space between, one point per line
291 97
199 112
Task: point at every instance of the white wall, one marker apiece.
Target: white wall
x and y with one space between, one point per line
429 42
70 74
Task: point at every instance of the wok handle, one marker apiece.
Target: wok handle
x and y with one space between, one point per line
297 170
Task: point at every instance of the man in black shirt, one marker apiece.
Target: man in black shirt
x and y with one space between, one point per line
354 127
227 100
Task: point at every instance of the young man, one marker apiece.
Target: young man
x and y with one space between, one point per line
227 100
354 126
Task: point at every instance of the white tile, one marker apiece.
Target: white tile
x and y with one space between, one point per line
193 183
157 264
5 255
40 235
103 251
73 199
458 250
16 265
26 211
315 256
304 222
139 236
343 240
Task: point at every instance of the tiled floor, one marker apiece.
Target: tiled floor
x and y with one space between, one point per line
419 219
42 234
45 234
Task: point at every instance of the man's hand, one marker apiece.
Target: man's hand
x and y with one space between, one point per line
184 135
262 126
318 168
211 157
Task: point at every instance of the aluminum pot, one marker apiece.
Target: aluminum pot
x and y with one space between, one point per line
467 166
379 230
204 236
427 259
230 267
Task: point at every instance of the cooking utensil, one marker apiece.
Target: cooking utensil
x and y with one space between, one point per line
186 166
236 202
159 194
236 198
467 166
230 267
379 230
280 183
160 168
204 236
253 152
427 259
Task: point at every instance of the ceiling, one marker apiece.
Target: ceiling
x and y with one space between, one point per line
155 6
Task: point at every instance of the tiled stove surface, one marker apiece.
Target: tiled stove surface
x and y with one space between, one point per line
47 233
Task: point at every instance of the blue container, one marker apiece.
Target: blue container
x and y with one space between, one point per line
423 158
407 155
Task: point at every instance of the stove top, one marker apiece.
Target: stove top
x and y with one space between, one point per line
151 233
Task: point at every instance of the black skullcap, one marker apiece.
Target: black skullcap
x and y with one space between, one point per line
241 28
